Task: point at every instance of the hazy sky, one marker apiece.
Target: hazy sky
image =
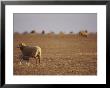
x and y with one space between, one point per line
55 22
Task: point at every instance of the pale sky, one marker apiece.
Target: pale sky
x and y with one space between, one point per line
55 22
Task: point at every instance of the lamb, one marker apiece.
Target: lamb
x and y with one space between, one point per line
29 52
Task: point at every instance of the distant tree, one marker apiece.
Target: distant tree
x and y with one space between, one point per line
43 32
71 32
33 31
86 31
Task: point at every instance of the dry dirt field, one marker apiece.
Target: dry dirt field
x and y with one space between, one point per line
61 55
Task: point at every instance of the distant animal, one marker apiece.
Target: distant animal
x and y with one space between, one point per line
83 33
28 52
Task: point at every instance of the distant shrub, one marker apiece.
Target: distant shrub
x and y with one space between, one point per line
33 31
43 32
71 32
86 31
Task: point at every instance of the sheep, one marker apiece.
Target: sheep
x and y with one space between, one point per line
83 33
29 52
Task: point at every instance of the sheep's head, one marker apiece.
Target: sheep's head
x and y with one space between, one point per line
21 45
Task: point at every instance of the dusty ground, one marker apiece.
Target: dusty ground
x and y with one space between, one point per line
61 55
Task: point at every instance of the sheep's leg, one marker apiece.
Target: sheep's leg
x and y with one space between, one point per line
39 58
36 60
27 63
36 55
21 59
27 60
20 63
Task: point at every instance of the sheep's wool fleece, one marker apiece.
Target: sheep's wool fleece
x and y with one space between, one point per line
29 51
